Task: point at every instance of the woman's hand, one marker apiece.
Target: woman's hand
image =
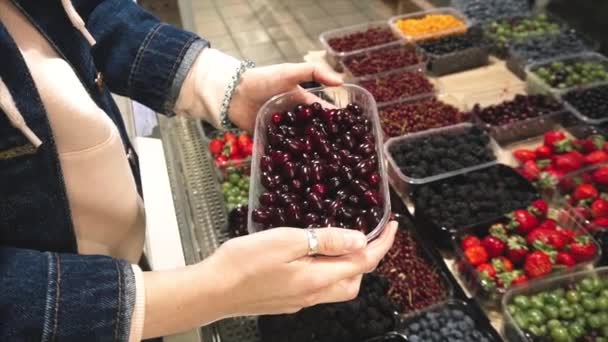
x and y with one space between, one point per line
270 272
260 84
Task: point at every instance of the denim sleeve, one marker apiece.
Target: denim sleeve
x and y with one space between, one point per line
139 56
64 297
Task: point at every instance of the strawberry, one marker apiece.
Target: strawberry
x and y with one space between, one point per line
600 176
550 178
600 223
221 160
506 279
216 146
565 259
247 150
539 208
583 248
523 155
553 137
548 237
469 241
583 211
530 170
231 150
520 279
502 264
568 162
549 224
244 139
543 152
585 191
523 221
517 249
568 234
476 255
599 208
596 157
493 245
593 143
230 137
486 270
537 264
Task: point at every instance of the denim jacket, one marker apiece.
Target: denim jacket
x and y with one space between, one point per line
47 291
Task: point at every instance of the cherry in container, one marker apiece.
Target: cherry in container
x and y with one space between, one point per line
347 41
376 61
318 162
511 115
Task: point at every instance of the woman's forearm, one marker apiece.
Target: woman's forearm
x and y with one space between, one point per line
181 299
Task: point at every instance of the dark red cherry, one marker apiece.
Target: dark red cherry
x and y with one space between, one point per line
348 142
277 118
361 224
347 213
330 222
319 189
315 202
268 198
304 174
294 146
317 173
333 168
354 108
323 147
374 179
306 145
294 214
374 215
279 158
289 170
284 188
276 139
285 199
372 197
353 159
328 115
268 181
343 194
354 200
347 173
332 209
304 114
262 216
359 186
296 185
278 217
266 164
364 167
290 118
311 220
358 131
334 184
366 149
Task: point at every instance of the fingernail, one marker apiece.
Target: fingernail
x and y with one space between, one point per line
354 240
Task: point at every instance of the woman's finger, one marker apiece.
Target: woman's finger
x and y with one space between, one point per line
306 72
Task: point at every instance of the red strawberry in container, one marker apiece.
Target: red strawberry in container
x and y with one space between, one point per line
486 270
583 211
568 162
599 208
539 208
216 147
469 241
594 142
476 255
552 138
540 237
598 224
550 179
583 248
522 220
517 249
495 242
548 224
530 170
537 264
596 157
507 279
502 264
585 191
600 176
523 155
543 152
565 259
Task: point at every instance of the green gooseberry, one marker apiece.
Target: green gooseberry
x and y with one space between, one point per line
586 285
594 321
573 296
566 313
521 320
551 298
521 301
560 334
551 311
553 323
537 331
589 304
537 302
578 309
576 330
536 317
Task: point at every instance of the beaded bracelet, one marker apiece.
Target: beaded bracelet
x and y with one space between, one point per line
234 82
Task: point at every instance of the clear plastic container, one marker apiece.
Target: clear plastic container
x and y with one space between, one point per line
334 57
441 234
417 67
511 329
516 131
436 84
334 96
491 298
441 97
581 115
470 309
483 11
419 15
403 183
457 61
537 86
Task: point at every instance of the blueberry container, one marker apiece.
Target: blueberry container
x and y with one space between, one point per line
482 11
470 313
419 66
520 130
335 57
442 234
490 296
537 86
511 328
405 184
328 97
420 15
582 115
457 61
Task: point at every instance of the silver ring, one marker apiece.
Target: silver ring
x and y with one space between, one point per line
313 242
